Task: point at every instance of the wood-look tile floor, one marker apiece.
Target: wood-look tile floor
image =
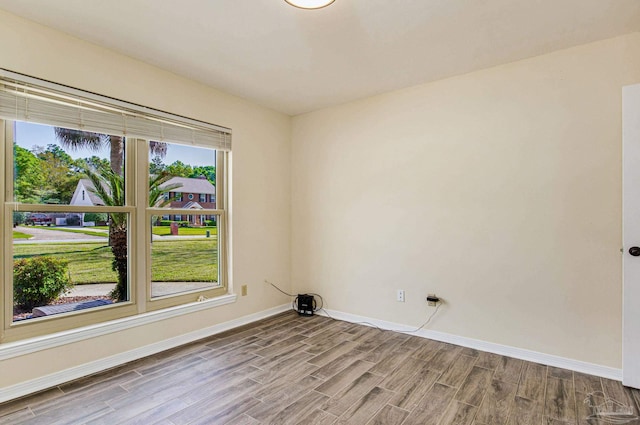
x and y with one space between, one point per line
297 370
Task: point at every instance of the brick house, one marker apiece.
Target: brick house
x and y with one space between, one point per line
192 193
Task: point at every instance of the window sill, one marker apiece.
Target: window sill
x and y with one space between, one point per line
32 345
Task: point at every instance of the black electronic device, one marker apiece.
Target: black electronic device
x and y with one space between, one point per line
305 304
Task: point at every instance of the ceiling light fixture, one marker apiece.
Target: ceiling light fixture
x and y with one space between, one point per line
310 4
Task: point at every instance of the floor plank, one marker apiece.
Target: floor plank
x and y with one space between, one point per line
366 408
389 415
473 388
525 412
497 403
431 407
509 369
345 398
532 382
409 395
455 375
560 400
458 413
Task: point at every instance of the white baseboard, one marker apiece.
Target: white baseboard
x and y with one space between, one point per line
505 350
57 378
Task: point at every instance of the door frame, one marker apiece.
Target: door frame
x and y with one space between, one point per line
630 235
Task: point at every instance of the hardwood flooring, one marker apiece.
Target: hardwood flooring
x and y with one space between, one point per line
298 370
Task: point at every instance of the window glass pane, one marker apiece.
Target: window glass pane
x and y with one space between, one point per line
52 165
184 249
183 258
61 266
181 176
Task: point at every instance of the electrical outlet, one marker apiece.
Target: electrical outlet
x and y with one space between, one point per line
243 290
400 296
432 300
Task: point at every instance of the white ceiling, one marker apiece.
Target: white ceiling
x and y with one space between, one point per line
296 61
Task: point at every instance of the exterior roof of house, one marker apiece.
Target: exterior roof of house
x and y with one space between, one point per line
191 185
193 205
88 185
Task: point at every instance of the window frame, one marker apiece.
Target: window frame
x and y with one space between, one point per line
165 301
45 325
136 168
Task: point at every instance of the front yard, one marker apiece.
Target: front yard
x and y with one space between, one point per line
172 261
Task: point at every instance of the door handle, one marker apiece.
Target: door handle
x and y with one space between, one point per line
635 251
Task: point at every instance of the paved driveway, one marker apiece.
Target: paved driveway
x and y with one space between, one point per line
49 234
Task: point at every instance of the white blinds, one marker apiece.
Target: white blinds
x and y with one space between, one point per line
25 98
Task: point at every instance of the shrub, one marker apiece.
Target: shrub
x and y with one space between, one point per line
19 217
39 280
95 217
165 223
210 223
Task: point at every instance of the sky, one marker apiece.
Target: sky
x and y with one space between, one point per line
29 135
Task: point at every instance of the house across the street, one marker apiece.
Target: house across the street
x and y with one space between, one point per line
190 193
194 194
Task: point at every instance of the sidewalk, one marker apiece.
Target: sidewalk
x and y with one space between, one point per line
158 289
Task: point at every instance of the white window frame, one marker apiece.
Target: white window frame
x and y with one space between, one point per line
140 304
159 302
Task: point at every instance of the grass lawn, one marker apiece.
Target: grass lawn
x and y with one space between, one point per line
173 261
185 231
185 261
85 232
88 262
20 235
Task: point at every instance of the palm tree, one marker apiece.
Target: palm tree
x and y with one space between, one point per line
77 139
109 187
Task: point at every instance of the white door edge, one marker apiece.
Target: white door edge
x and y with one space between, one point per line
631 235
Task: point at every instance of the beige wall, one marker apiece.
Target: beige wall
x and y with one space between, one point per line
499 191
261 178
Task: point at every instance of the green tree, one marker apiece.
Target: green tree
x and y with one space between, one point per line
179 169
29 177
156 166
208 171
60 174
97 163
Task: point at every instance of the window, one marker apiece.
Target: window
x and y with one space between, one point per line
196 266
60 179
203 197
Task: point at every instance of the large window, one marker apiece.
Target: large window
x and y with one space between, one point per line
82 242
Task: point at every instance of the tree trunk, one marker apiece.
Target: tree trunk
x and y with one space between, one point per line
116 156
116 153
118 236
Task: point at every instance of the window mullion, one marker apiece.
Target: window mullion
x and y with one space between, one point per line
139 232
6 232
